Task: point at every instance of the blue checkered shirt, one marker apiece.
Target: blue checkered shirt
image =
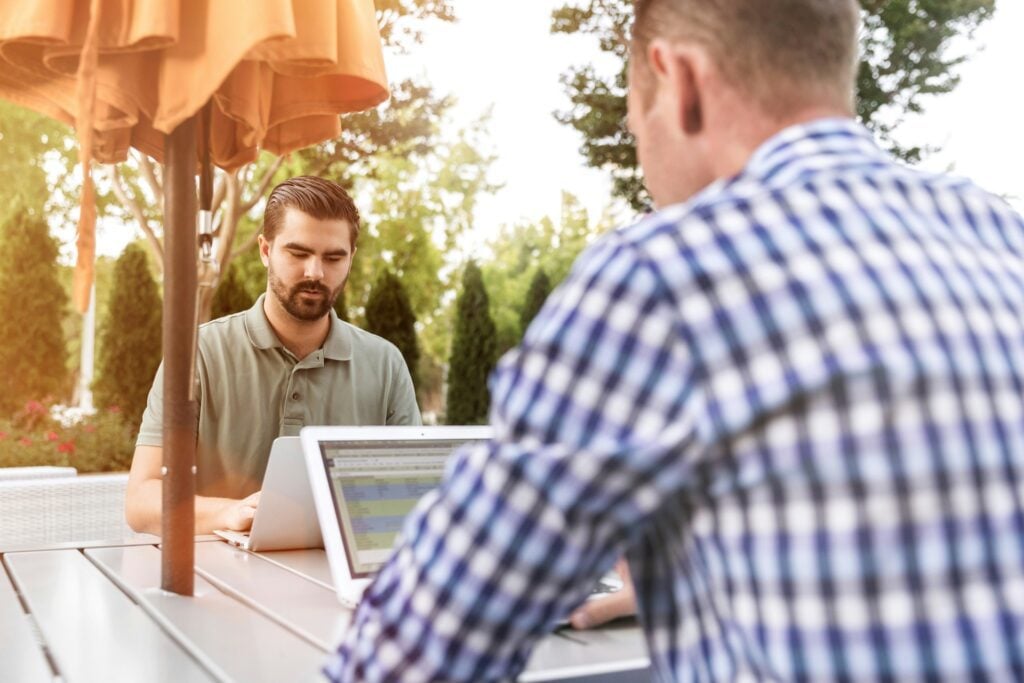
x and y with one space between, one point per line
796 402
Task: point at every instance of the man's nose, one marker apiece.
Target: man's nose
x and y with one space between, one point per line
314 269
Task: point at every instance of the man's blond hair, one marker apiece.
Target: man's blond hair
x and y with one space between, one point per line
784 54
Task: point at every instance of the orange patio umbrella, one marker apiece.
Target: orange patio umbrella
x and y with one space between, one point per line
190 83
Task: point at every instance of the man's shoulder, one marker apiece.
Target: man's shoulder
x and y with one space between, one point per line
364 342
225 326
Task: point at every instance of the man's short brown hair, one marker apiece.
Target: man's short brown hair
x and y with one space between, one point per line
777 51
316 197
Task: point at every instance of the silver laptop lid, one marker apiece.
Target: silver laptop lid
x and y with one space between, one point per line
376 476
286 515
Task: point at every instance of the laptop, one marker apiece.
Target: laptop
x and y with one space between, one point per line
286 517
365 481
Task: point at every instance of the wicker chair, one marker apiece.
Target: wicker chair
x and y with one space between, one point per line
47 511
38 472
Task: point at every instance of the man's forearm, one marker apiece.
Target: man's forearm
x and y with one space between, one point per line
144 509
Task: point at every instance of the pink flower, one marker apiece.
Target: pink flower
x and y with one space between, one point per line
66 447
25 441
52 436
3 435
114 409
35 407
89 429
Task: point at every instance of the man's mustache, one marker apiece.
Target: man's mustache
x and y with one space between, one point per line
310 286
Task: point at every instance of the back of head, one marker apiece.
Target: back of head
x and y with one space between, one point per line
316 197
783 54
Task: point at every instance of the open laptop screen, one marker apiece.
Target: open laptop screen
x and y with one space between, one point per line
375 484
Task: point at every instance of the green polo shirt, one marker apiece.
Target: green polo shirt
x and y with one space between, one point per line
251 389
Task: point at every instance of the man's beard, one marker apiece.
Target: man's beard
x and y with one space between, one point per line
298 306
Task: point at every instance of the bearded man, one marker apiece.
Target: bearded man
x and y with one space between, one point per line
285 363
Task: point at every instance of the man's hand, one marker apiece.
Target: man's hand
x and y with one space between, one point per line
621 603
237 514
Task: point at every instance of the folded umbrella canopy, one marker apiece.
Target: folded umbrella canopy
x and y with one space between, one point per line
273 74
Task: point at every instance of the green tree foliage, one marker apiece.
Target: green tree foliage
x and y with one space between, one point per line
232 295
131 338
522 251
27 141
540 288
400 20
415 209
341 306
32 304
473 353
389 314
906 56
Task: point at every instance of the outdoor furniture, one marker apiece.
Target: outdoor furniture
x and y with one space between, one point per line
36 472
43 511
101 616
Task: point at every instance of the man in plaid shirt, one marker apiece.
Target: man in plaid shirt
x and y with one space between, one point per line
793 397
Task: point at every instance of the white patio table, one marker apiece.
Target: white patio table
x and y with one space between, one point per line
95 612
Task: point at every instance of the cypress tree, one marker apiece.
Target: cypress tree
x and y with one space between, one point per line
131 337
473 352
389 315
540 287
32 304
231 295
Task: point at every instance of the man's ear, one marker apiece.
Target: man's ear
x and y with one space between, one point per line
264 250
677 73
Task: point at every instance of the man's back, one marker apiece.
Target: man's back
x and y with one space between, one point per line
795 401
849 339
792 398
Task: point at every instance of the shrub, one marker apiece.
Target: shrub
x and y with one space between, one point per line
231 295
474 348
32 301
103 442
540 288
131 337
389 315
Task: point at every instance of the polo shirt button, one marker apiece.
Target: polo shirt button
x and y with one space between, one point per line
295 396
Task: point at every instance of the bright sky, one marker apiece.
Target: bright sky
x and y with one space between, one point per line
980 125
502 56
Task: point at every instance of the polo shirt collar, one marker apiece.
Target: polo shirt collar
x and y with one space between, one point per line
337 346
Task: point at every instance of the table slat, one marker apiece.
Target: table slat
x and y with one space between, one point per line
228 636
21 657
613 653
310 564
93 631
305 607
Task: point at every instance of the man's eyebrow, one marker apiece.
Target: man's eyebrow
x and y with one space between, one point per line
295 246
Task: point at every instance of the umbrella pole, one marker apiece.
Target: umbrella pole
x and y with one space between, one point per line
179 334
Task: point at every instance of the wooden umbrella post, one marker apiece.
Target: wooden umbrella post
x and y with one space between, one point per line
179 334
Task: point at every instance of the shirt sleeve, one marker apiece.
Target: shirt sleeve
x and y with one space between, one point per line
591 435
151 431
402 406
